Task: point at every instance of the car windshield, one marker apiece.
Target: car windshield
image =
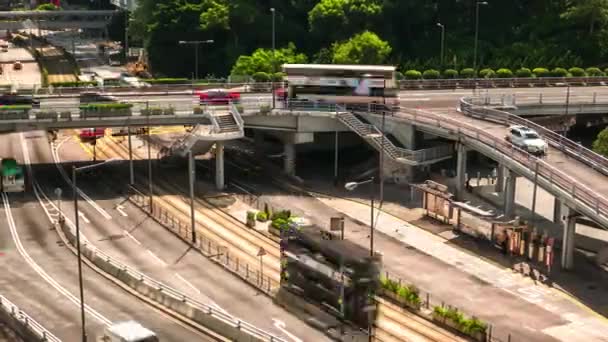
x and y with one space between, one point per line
531 136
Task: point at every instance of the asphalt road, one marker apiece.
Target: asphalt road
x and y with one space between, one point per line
133 238
28 75
52 299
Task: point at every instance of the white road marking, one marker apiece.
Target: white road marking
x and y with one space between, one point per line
211 302
157 258
120 208
84 218
401 99
281 326
188 283
132 237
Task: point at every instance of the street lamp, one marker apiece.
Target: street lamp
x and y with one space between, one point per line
196 43
477 32
350 186
273 56
75 170
442 41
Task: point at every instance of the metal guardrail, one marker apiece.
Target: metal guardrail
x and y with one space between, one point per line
27 320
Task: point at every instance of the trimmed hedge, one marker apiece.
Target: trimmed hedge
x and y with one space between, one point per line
278 76
577 72
167 81
413 75
408 293
504 73
431 74
593 71
15 107
541 72
466 325
559 72
523 72
467 73
450 73
487 73
261 77
73 84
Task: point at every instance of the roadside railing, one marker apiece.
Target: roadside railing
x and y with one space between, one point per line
26 321
208 247
472 83
469 106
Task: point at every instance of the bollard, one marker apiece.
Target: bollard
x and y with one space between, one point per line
478 177
247 271
237 265
428 299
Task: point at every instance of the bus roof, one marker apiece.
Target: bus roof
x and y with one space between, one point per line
347 67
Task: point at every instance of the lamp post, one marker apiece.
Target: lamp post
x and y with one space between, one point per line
273 57
75 170
126 36
477 33
442 42
196 43
350 186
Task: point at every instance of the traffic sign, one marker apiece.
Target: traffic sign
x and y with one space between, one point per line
261 252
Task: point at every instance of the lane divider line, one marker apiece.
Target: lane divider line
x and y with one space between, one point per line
132 237
164 264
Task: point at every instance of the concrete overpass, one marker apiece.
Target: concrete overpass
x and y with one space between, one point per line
54 20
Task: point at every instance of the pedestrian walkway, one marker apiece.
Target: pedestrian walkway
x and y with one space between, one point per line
547 311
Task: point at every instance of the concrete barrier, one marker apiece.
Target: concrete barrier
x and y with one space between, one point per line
22 324
217 321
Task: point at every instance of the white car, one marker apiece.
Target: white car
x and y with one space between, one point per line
527 139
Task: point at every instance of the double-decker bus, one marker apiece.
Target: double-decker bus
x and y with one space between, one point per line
13 179
343 84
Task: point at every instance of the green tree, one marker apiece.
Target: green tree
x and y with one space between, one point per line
587 12
600 145
47 7
345 17
261 60
363 48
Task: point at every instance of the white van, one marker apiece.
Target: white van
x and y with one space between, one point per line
129 331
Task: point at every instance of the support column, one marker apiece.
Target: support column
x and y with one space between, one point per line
569 222
289 159
219 165
336 150
557 210
258 143
500 178
509 195
461 170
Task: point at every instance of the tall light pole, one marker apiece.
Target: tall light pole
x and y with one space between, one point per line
126 36
273 56
442 42
350 186
477 33
196 43
75 170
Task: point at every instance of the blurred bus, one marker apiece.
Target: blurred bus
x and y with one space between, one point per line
13 178
342 84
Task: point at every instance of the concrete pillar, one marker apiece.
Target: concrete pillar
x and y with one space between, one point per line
569 223
461 170
500 178
219 165
258 143
557 210
289 159
509 194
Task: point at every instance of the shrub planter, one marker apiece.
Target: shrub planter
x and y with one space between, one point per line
399 300
47 115
251 219
274 231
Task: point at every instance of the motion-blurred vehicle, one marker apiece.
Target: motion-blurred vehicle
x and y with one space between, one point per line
527 139
14 99
12 176
17 65
129 331
3 46
88 134
218 96
91 96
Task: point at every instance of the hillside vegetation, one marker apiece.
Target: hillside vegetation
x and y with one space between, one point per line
512 34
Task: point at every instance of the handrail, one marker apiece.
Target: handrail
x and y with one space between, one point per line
218 314
558 141
237 116
25 319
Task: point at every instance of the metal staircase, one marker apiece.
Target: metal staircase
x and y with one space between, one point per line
226 124
401 155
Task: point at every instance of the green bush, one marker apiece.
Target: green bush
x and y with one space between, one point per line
15 107
47 7
487 73
399 76
430 74
250 216
473 325
577 72
593 71
168 81
73 84
541 72
467 73
450 73
559 72
504 73
441 311
523 73
278 76
282 214
105 106
413 75
261 77
280 223
261 216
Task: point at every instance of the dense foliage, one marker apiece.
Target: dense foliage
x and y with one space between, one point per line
517 35
600 145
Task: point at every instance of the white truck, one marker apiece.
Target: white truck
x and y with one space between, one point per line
129 331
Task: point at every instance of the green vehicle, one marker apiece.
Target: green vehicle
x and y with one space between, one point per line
13 178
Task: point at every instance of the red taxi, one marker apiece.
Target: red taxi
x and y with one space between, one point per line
218 96
92 133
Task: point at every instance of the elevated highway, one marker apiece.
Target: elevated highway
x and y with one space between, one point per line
54 20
